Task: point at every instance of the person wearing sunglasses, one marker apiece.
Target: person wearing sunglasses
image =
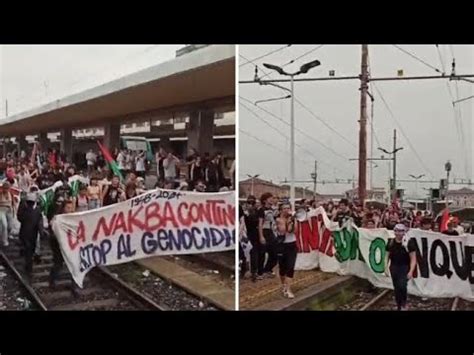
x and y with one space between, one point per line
400 262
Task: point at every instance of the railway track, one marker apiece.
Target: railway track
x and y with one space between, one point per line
383 300
102 290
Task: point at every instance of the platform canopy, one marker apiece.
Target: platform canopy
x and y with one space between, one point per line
200 80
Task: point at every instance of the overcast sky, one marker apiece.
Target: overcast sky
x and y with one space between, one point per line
34 75
423 109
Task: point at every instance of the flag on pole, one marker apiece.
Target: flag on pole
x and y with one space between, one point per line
110 161
75 182
444 220
33 153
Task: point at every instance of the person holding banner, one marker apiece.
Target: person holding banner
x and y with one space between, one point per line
287 249
113 193
400 261
31 219
61 206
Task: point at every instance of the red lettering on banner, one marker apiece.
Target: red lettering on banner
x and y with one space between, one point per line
308 235
134 221
326 239
330 250
152 212
230 214
102 225
205 212
120 223
194 212
184 219
168 216
80 236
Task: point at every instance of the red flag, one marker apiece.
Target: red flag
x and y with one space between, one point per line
112 163
444 220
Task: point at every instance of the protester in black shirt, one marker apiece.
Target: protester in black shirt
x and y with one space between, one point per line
401 262
451 230
267 237
197 171
251 224
212 175
113 193
343 213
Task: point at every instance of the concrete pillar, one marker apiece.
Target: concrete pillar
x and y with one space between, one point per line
112 136
43 141
201 131
66 143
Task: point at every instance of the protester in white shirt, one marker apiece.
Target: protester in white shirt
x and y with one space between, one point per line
169 165
140 164
121 160
91 159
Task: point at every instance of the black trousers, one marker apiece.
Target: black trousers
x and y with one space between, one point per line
270 249
58 260
58 263
287 259
400 281
28 243
243 261
257 258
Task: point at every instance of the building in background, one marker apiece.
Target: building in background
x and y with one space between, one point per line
463 197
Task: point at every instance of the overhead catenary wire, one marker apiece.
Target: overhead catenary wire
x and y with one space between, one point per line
324 122
284 135
403 132
417 58
265 55
270 145
297 129
441 59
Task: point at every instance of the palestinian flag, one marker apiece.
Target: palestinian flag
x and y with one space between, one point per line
112 163
75 182
444 221
46 197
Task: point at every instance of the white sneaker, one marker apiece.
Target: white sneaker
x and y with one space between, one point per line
5 243
290 294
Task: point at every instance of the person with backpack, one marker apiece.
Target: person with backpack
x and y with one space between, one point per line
400 263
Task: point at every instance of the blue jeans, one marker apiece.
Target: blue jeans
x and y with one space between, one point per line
93 204
400 281
4 230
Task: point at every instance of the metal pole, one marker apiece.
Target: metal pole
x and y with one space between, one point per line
315 177
292 146
372 144
363 122
394 163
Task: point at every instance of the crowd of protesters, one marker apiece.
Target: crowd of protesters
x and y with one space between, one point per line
99 184
267 228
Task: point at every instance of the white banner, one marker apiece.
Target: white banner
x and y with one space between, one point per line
444 263
159 222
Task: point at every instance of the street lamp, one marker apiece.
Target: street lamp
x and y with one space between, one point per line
253 179
394 160
303 70
416 187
